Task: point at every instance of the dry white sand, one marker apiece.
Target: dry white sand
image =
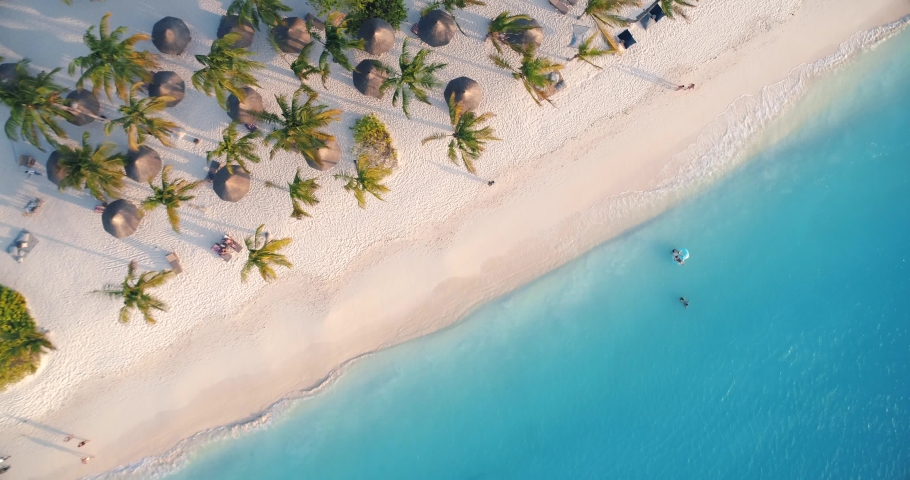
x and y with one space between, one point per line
566 179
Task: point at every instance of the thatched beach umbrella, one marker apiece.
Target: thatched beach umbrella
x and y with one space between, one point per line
120 218
168 84
467 93
377 35
7 72
231 187
143 165
291 34
55 172
245 111
531 37
368 77
84 106
171 36
436 28
328 156
229 25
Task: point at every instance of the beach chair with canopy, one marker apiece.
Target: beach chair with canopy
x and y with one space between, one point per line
626 39
579 32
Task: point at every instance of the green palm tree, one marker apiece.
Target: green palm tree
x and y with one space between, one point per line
256 11
299 125
606 12
302 67
98 169
170 195
586 52
366 179
335 42
26 346
134 295
226 70
139 122
534 72
416 76
674 8
263 255
112 62
235 149
34 104
504 25
467 137
302 192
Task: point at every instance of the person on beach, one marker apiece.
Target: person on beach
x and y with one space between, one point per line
3 459
691 86
82 444
680 87
86 459
684 302
490 183
69 437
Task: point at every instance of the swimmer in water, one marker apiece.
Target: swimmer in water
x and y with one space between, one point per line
684 302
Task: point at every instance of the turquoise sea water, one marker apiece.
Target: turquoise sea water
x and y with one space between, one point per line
791 362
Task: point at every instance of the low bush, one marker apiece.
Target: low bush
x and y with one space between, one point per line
392 11
21 344
373 142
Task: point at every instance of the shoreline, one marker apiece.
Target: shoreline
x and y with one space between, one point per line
443 271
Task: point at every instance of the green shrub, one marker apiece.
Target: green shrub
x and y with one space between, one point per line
392 11
373 142
21 344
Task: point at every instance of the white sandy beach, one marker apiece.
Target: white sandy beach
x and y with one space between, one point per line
566 179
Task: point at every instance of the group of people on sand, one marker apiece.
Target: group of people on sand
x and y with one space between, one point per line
80 445
690 86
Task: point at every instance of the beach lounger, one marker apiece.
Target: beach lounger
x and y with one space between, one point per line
311 19
32 205
213 168
561 6
230 242
222 251
175 263
22 245
26 161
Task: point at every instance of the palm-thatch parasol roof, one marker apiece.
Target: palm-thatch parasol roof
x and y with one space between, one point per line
171 36
7 72
245 111
84 106
531 37
291 34
436 28
168 84
377 35
229 25
143 165
120 218
328 156
55 172
467 93
368 77
231 187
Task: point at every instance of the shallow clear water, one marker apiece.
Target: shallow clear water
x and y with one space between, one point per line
791 362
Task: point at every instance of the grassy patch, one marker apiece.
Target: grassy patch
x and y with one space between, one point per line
373 142
22 344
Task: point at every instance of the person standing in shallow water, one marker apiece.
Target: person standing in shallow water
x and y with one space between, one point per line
684 302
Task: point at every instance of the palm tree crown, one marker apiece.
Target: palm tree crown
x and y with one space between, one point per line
235 149
367 179
335 43
112 62
25 346
170 195
98 169
263 254
587 52
133 292
34 103
505 24
674 8
416 76
226 70
256 11
467 138
302 192
299 125
138 121
450 6
535 73
606 12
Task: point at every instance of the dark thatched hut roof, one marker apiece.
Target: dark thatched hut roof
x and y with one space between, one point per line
528 38
368 77
121 218
143 165
377 35
168 84
328 156
291 34
85 107
231 187
171 36
55 172
244 112
467 93
436 28
229 25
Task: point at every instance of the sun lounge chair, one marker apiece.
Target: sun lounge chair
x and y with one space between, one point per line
626 39
213 168
175 263
311 19
22 246
561 6
26 161
230 242
32 205
222 251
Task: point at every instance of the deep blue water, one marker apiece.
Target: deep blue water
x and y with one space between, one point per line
791 362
